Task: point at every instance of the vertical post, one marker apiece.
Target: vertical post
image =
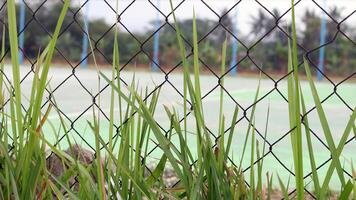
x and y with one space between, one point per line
322 42
156 42
234 45
85 38
22 26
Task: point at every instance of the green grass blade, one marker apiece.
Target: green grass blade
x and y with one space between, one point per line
2 64
296 121
100 173
184 149
252 168
231 132
157 171
283 188
354 179
337 153
346 191
11 13
59 193
250 124
260 163
315 175
115 71
324 123
270 185
47 63
13 121
199 105
221 145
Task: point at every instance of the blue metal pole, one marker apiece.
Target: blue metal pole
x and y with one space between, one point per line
22 26
85 38
234 46
156 42
322 42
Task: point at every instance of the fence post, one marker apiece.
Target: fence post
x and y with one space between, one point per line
22 26
322 42
234 45
156 42
85 38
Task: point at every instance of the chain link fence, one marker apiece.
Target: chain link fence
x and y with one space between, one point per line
245 55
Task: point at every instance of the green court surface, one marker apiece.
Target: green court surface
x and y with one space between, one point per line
73 99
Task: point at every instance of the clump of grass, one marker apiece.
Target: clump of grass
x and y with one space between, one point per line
23 163
122 174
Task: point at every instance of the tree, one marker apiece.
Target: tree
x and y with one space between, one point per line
339 52
271 51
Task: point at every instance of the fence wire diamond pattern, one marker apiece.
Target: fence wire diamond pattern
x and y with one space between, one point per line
75 22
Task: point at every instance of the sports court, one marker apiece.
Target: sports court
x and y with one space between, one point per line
76 103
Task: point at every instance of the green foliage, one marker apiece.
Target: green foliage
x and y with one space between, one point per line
272 51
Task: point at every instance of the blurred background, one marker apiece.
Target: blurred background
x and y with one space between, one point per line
254 29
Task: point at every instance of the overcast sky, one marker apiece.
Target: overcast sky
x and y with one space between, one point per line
139 15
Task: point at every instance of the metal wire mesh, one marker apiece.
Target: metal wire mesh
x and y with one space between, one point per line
247 57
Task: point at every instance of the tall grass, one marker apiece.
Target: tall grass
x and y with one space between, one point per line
294 111
25 164
204 171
